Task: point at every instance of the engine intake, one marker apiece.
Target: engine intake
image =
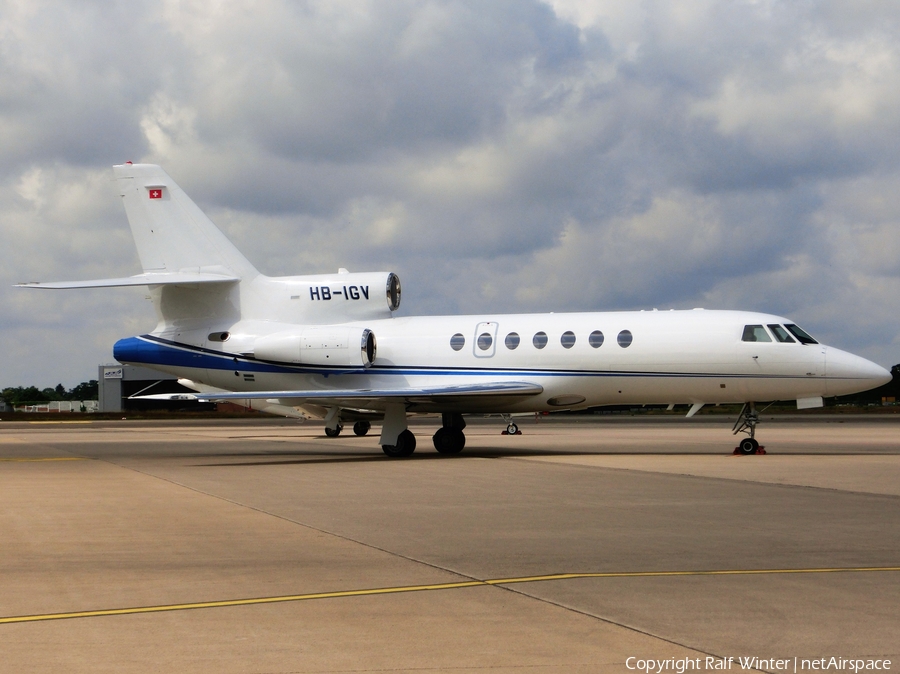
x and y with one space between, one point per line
393 291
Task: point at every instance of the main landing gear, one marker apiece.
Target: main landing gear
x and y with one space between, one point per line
450 438
404 446
334 426
397 441
746 423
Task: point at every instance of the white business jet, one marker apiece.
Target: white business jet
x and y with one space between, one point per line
327 345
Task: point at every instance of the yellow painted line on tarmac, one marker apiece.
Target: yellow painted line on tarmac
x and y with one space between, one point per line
48 458
651 574
421 588
37 423
240 602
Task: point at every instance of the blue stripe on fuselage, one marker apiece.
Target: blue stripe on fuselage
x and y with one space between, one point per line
150 351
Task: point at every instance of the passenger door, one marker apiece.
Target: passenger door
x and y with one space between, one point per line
485 341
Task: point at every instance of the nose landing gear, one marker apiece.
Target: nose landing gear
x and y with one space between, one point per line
511 427
746 423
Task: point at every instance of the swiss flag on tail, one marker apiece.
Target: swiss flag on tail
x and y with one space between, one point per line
155 193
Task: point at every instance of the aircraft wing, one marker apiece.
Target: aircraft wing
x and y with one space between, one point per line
149 279
369 398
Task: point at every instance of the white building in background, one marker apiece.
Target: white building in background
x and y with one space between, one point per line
60 406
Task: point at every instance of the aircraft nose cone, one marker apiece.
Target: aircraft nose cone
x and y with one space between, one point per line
851 374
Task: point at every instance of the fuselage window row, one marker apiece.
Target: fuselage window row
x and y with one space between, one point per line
485 340
788 333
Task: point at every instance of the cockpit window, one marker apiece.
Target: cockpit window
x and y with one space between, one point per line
801 336
780 333
755 333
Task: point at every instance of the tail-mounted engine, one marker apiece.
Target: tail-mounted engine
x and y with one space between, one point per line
337 298
326 345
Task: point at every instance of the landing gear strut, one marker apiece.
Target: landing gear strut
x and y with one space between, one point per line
450 438
397 441
333 425
746 423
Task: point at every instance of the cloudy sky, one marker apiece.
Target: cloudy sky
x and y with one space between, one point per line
499 156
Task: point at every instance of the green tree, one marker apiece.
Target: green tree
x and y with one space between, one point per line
31 395
86 390
19 395
52 393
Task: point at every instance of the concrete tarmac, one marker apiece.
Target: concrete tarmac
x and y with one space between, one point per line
263 546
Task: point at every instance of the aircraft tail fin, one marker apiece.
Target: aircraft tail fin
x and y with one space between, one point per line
171 233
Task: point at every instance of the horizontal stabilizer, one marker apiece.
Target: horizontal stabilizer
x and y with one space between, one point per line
351 396
149 279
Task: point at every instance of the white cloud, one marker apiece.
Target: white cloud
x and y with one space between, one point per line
506 156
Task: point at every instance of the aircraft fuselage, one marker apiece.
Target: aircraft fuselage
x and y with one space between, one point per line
579 359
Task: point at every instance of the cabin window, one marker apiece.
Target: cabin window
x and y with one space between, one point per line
512 341
595 339
625 338
755 333
457 341
780 333
540 340
801 335
484 341
567 339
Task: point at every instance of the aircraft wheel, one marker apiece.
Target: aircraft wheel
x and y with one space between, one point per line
333 432
512 429
748 446
406 445
361 427
449 440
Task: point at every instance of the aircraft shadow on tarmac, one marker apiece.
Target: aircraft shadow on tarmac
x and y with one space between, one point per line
321 457
317 457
